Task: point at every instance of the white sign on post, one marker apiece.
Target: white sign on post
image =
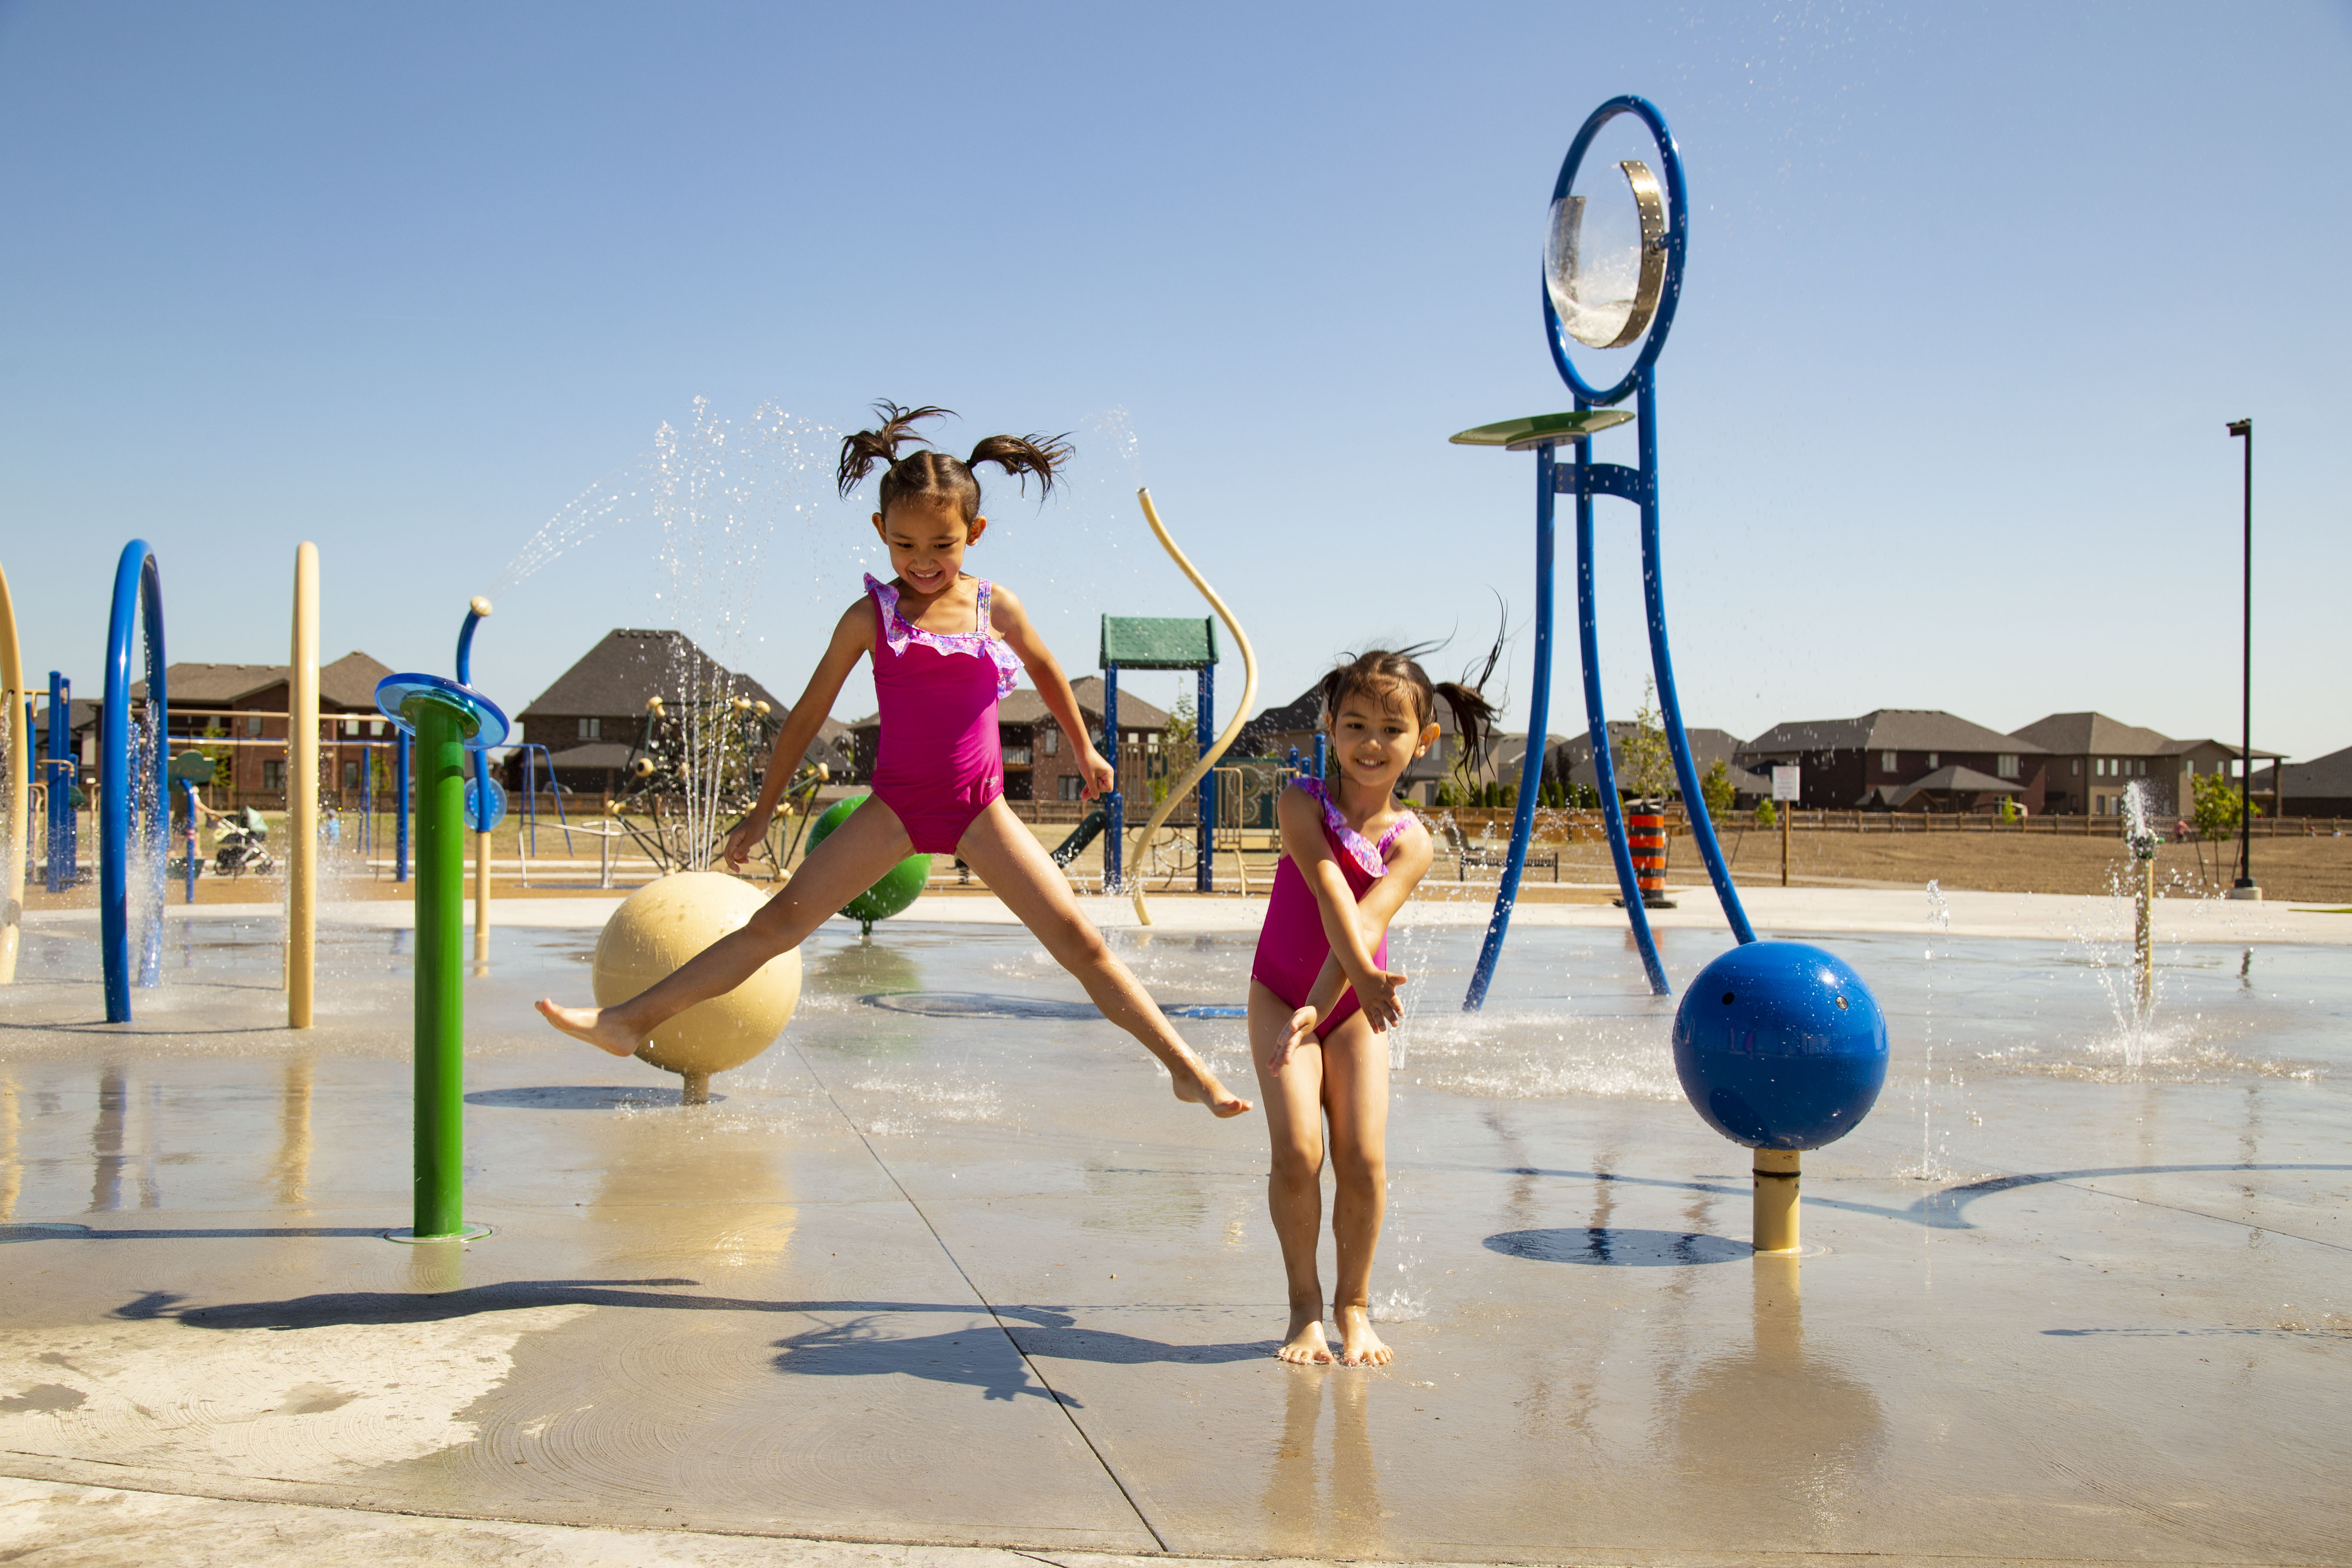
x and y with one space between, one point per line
1784 782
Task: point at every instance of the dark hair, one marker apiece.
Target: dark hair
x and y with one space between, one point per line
1377 672
933 473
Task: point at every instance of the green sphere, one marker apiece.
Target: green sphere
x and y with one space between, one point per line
899 887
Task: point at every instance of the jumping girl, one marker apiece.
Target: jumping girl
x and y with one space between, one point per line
1321 990
945 648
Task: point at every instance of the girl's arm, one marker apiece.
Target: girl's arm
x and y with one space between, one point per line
1409 859
1012 623
852 636
1301 816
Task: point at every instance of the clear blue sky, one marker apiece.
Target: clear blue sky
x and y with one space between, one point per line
1972 290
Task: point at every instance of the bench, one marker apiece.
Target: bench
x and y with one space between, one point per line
1464 856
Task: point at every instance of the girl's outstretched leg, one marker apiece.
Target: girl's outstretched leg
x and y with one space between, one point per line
1292 1099
847 863
1016 869
1356 1098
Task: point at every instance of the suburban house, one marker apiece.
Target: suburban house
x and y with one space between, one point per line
1572 759
1901 759
1040 763
238 714
2095 760
592 719
1275 731
2320 787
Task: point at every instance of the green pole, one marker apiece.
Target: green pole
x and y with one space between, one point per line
440 941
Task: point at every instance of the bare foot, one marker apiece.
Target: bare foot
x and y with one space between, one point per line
1304 1343
1358 1346
594 1025
1195 1085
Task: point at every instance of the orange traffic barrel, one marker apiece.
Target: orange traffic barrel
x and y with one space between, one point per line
1647 838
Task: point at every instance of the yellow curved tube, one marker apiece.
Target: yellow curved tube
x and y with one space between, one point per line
20 788
1198 770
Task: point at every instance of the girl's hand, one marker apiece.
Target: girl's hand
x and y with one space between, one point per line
1299 1032
1377 995
747 835
1097 772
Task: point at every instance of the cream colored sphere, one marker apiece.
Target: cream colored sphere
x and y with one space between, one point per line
662 925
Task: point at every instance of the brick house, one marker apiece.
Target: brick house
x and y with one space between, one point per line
2095 760
2320 787
1572 759
1901 759
592 718
247 706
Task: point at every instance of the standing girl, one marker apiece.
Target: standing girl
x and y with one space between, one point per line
1321 990
945 648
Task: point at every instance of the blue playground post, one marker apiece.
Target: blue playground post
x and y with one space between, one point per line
188 788
138 587
1323 756
400 807
1665 224
1205 730
60 769
1114 803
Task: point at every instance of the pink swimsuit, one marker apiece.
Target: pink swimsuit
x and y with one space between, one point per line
1291 946
940 761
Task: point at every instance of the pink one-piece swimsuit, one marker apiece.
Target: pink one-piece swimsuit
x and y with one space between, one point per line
1291 945
939 761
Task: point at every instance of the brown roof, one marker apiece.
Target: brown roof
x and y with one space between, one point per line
2088 734
348 684
629 666
1888 730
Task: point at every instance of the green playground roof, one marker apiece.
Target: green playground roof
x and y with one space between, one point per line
1158 642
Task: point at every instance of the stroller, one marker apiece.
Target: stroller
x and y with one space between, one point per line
238 846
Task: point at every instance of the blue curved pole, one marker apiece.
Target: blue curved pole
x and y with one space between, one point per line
1596 733
465 678
138 587
1499 924
1662 664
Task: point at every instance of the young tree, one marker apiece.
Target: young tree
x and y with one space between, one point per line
1645 768
2214 814
1716 790
1767 814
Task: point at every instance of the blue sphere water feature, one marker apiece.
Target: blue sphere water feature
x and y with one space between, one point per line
1780 1046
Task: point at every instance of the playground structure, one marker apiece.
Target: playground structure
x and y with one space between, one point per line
1784 1060
1202 776
447 720
1166 642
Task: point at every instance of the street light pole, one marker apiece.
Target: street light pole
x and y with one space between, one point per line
2243 429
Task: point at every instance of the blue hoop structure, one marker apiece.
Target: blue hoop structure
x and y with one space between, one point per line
138 598
1584 480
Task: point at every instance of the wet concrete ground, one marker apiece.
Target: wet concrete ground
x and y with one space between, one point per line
954 1268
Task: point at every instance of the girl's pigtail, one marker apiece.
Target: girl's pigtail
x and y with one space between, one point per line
1474 716
861 451
1021 455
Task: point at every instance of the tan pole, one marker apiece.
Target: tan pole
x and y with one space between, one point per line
302 793
1194 774
20 788
482 894
1775 1224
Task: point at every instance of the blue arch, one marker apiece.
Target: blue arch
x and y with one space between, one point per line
138 596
